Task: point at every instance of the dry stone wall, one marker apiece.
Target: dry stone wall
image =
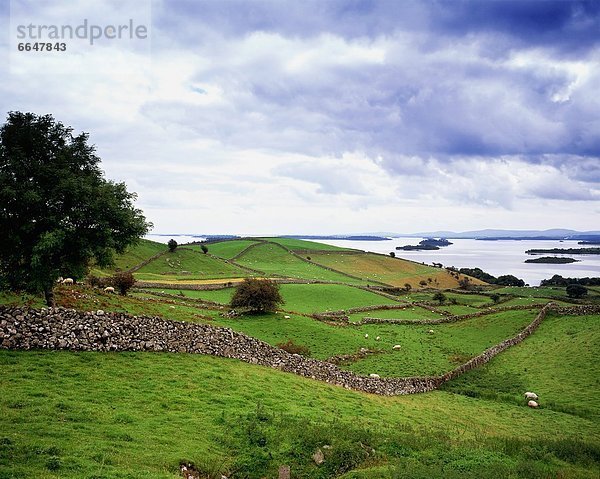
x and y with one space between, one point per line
68 329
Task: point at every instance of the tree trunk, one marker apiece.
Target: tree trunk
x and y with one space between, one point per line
49 296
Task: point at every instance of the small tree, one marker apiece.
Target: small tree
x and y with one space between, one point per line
439 297
123 281
407 286
204 248
392 254
464 283
172 244
495 297
576 291
257 295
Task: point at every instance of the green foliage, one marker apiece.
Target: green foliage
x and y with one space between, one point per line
257 295
439 297
172 244
123 282
509 280
576 291
56 205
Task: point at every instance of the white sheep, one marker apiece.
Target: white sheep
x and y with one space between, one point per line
287 317
532 404
374 376
109 289
68 281
367 336
431 331
397 347
530 395
377 338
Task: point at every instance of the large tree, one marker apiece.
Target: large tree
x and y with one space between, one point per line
57 211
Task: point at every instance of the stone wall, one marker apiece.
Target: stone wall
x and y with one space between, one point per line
58 328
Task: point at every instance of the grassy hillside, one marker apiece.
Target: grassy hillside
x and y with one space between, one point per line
393 271
133 256
187 264
226 249
139 415
67 415
559 363
305 245
274 260
304 298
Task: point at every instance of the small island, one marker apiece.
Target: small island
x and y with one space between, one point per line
426 244
551 260
564 251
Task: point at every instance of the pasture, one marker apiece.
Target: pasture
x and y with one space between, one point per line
137 415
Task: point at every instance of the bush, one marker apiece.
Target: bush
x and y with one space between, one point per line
257 295
439 297
172 244
576 291
204 248
293 348
123 281
97 282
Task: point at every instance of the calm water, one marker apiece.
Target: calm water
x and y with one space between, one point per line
494 257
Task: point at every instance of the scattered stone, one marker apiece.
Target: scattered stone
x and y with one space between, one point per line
318 457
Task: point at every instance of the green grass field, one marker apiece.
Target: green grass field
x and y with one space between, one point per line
139 415
304 245
188 264
274 260
226 249
392 271
73 415
133 256
559 363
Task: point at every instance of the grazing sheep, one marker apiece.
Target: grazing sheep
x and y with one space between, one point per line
59 279
109 289
396 347
287 317
530 395
377 338
532 404
431 331
367 336
374 376
68 281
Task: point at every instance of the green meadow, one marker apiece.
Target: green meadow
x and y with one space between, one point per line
140 415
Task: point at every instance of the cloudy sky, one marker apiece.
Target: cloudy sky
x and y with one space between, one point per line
339 116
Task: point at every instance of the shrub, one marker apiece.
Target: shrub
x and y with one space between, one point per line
123 281
576 291
291 347
172 244
257 295
439 297
204 248
392 254
98 282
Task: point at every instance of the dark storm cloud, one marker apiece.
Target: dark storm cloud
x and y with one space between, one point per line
570 26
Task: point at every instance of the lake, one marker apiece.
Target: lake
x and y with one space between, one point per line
494 257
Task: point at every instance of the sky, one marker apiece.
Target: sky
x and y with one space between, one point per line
327 117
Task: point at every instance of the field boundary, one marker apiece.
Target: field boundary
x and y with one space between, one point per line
68 329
